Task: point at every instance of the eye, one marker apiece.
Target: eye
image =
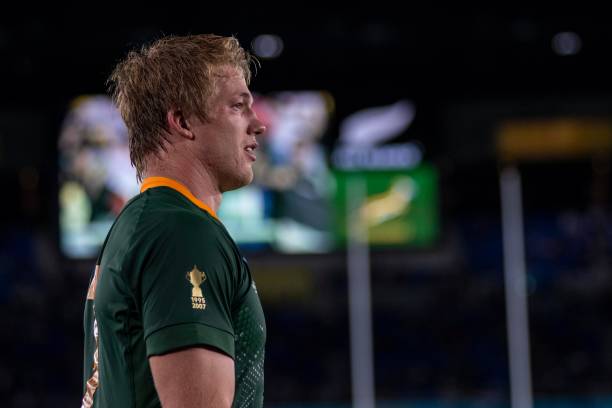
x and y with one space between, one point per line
238 106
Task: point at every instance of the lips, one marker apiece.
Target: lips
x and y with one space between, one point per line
250 150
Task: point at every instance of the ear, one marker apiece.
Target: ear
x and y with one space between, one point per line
177 123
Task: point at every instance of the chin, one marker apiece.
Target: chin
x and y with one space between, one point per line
239 181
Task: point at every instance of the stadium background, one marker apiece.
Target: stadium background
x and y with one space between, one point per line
439 322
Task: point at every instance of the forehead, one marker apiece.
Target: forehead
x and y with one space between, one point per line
229 81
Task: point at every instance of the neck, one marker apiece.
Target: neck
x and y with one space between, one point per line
198 181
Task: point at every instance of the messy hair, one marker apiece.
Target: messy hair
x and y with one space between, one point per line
171 73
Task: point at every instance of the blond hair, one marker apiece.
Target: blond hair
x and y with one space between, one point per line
171 73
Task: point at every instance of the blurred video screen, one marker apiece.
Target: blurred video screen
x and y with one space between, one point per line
286 208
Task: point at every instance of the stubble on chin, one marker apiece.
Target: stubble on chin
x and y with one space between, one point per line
235 181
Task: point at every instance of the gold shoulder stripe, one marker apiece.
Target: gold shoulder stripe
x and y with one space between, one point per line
91 293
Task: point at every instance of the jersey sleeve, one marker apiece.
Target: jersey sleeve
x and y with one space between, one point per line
187 287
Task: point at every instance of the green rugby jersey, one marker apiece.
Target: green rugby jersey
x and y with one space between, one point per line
168 277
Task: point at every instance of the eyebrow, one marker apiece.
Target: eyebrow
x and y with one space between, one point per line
246 95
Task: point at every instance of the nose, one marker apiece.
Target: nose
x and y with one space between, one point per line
257 127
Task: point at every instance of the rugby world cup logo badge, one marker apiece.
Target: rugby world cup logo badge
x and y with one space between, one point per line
196 277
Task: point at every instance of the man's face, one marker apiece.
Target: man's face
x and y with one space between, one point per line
227 141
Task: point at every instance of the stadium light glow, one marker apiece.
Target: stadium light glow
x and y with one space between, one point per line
566 43
267 46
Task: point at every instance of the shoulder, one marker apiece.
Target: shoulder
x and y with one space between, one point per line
161 220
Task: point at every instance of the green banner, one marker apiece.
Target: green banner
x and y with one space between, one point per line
400 207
